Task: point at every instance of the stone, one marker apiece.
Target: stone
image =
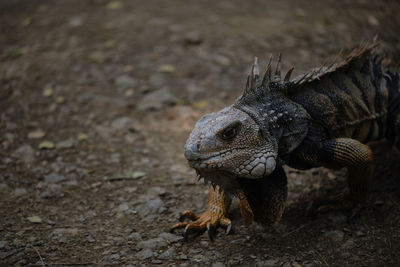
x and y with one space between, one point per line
114 257
37 134
337 218
222 60
126 209
115 157
90 239
75 22
3 244
348 244
167 68
156 190
68 143
167 254
124 82
193 38
35 219
157 100
20 192
54 178
217 264
51 191
271 262
3 187
135 237
60 235
131 189
121 123
144 254
46 145
152 206
153 243
157 80
170 238
360 233
335 235
7 160
119 241
124 206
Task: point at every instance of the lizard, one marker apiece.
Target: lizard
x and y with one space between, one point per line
322 118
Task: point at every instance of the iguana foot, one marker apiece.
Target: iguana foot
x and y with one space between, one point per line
208 221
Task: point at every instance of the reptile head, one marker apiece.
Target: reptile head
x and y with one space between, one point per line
245 139
231 141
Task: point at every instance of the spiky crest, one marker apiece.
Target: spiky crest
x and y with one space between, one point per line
267 76
288 74
253 79
274 82
335 65
269 102
277 76
255 75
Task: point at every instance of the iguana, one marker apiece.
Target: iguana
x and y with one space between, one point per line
321 118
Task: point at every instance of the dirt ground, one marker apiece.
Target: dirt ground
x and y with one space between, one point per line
98 97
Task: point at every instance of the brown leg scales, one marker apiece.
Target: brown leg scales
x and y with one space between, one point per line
357 157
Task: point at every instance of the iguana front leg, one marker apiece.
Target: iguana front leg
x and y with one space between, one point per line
214 216
350 153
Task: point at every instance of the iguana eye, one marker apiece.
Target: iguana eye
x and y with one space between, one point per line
229 133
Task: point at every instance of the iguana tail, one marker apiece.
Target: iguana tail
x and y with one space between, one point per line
393 118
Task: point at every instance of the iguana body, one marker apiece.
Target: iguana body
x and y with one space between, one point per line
322 118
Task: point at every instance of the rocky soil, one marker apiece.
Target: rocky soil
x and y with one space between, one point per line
97 98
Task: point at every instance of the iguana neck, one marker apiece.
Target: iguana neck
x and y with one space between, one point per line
280 118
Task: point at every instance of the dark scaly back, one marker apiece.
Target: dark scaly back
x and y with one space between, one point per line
345 99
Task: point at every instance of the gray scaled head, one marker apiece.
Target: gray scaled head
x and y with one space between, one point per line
243 140
230 141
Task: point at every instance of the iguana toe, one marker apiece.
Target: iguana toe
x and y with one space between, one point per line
208 221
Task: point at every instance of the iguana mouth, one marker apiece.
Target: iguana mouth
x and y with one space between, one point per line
212 161
222 154
255 167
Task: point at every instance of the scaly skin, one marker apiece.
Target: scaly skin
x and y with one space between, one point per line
322 118
214 216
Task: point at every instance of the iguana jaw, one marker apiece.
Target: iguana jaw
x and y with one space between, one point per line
225 180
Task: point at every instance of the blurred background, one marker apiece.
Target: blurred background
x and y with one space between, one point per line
98 97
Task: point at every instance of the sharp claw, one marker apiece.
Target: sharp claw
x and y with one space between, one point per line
186 233
209 232
200 224
228 229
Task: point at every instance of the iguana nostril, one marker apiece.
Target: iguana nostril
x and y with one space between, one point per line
198 145
192 150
